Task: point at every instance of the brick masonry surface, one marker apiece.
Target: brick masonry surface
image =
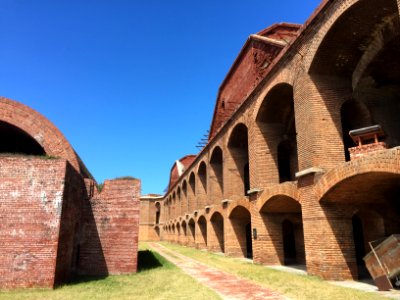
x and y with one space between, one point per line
54 222
275 181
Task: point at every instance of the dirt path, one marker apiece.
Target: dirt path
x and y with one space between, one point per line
224 284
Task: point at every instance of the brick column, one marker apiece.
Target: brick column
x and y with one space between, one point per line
215 191
328 237
268 247
317 103
234 187
262 156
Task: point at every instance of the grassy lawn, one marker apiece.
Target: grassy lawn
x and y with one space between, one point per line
292 285
156 279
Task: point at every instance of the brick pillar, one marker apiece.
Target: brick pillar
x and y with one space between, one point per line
201 235
268 247
215 235
201 193
191 234
328 237
317 102
234 187
215 190
235 236
263 156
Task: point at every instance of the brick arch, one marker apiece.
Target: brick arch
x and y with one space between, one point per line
333 13
384 162
240 202
45 133
284 77
213 210
287 189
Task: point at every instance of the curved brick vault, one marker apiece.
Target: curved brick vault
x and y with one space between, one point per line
55 223
41 130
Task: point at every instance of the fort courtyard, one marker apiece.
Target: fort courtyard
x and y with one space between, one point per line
295 189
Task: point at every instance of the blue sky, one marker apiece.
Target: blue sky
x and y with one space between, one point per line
131 84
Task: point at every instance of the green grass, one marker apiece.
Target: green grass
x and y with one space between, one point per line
291 285
156 279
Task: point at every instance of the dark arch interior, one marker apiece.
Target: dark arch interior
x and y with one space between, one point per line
203 175
203 228
354 115
276 119
238 146
241 223
289 242
216 164
217 222
15 140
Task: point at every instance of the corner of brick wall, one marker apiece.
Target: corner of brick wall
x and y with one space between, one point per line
109 238
31 200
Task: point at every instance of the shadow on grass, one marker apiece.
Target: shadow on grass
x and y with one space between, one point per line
147 261
85 278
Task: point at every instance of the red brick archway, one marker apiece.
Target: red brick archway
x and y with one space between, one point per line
41 130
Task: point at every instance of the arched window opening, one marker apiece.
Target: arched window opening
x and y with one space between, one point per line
157 213
202 199
354 115
192 192
217 240
241 223
289 242
238 147
216 175
203 229
277 123
203 175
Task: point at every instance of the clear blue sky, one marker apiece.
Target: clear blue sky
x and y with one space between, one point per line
131 84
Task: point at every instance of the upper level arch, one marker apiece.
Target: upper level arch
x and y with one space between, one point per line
277 125
27 131
238 147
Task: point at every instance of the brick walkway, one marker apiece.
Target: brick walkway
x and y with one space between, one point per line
226 285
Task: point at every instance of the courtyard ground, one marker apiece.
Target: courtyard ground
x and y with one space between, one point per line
293 286
158 278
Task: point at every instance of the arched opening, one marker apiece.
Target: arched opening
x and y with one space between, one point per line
216 242
174 206
185 205
157 230
203 230
178 233
202 188
16 141
184 228
289 243
354 115
241 224
192 192
276 121
158 213
179 202
368 213
238 147
363 66
282 218
359 245
216 175
192 231
367 226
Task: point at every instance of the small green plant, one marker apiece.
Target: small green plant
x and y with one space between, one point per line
126 178
100 187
